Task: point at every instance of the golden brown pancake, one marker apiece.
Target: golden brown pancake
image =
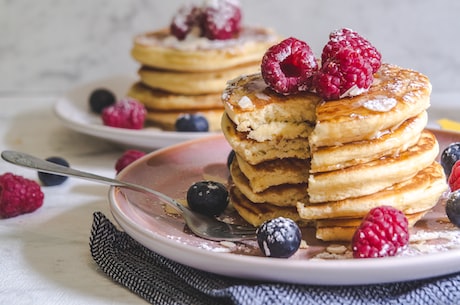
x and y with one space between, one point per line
160 100
391 142
251 105
255 152
370 177
193 83
396 95
274 172
417 194
256 214
344 229
280 195
160 49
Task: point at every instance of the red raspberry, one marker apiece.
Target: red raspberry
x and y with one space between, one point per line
221 19
383 232
288 67
345 74
127 158
184 20
18 195
127 113
345 38
454 177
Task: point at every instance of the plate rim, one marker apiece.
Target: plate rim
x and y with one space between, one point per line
337 271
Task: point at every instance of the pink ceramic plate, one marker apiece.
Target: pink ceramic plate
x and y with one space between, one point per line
434 251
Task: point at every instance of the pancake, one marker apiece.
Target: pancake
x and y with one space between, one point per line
344 229
274 172
414 195
160 100
256 214
159 49
166 120
251 105
396 95
391 142
279 195
193 83
255 152
367 178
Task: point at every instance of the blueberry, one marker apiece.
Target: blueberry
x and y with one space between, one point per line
279 237
48 179
192 122
453 208
449 156
207 197
100 99
230 158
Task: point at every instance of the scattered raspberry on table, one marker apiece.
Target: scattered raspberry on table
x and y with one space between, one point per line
18 195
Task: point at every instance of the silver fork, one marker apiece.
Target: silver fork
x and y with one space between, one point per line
203 226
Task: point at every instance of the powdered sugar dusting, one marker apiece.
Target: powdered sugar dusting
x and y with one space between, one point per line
222 11
194 42
380 104
353 91
245 103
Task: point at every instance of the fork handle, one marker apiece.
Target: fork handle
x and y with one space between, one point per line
26 160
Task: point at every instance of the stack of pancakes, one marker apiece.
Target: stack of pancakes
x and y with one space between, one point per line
188 76
326 164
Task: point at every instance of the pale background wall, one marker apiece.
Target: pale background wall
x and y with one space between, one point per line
49 46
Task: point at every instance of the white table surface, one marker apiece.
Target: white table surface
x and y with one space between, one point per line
44 255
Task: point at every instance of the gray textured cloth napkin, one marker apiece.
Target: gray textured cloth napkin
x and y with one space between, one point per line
160 280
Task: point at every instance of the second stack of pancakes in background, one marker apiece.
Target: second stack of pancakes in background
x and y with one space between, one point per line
184 68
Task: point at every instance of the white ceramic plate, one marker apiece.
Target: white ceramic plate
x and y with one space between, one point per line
73 110
172 170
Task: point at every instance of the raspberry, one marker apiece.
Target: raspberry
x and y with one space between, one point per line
346 38
383 232
288 67
18 195
221 19
215 20
454 177
127 113
345 74
127 158
184 20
